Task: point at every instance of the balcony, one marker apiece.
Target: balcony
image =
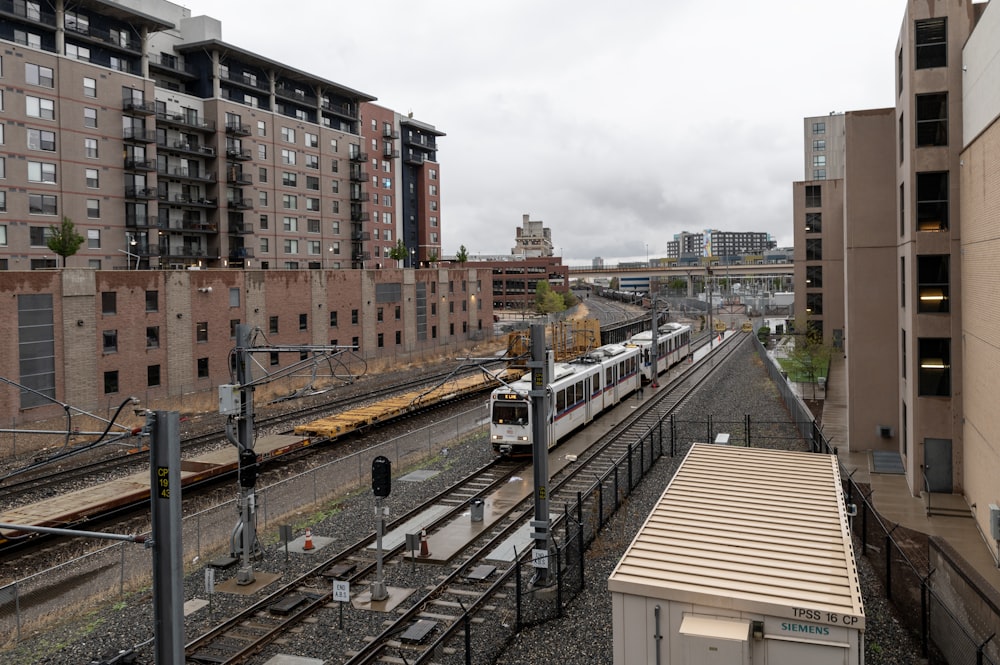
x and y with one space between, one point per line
240 253
361 256
358 175
342 109
238 177
171 64
359 216
249 80
237 129
360 235
141 193
240 204
182 173
139 135
22 11
301 96
140 221
182 120
188 148
359 196
359 157
390 153
389 133
200 226
238 155
140 164
414 158
144 249
239 228
186 200
135 107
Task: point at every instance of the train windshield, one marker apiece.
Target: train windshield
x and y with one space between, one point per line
510 413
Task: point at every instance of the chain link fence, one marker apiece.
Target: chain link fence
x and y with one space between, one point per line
114 571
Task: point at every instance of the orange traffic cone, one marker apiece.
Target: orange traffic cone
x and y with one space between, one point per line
424 549
308 545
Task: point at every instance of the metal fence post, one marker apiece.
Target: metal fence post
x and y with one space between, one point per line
746 428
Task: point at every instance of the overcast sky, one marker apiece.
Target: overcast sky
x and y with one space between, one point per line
618 124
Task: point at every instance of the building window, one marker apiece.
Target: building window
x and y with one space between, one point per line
931 43
932 283
819 128
110 382
289 179
354 317
262 174
152 337
303 322
291 246
814 249
93 178
932 201
109 302
152 375
333 319
814 304
934 378
288 135
93 238
110 341
152 301
274 358
201 331
932 119
89 87
902 347
202 368
38 75
90 148
261 128
272 324
814 222
93 209
41 172
311 161
39 107
288 157
814 196
42 204
40 139
89 117
289 201
814 277
290 223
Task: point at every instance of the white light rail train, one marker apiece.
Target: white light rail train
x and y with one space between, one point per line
581 390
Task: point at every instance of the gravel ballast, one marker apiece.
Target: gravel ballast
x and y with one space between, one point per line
583 635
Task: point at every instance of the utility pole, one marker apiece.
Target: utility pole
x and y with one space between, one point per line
654 349
247 530
711 325
168 562
540 379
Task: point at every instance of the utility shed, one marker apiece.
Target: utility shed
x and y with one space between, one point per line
746 558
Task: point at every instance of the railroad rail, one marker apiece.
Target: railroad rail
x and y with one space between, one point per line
450 595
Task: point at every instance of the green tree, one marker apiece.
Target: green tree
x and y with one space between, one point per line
547 301
462 255
432 258
810 359
569 299
399 252
64 240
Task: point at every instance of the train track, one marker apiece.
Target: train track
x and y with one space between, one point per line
449 596
136 456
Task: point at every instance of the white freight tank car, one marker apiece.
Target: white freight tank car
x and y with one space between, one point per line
746 558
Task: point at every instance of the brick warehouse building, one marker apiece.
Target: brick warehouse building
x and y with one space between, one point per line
92 338
169 148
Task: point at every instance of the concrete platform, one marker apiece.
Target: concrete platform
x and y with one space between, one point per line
363 601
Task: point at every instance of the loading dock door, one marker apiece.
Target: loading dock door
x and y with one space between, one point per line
781 652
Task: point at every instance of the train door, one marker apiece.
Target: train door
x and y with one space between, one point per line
588 413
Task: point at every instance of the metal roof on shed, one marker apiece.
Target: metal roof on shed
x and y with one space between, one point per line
749 529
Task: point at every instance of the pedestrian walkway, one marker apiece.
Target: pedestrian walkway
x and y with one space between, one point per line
891 496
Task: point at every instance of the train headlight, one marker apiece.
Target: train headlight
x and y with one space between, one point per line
522 438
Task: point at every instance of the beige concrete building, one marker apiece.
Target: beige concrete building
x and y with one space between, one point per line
913 221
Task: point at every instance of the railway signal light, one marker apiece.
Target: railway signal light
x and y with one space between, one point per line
381 476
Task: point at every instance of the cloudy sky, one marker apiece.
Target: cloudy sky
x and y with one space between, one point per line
618 124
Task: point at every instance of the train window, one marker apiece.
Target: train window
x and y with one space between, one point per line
560 401
510 413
